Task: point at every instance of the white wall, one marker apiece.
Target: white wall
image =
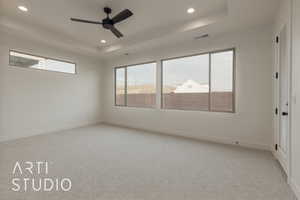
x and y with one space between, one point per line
252 122
295 137
36 102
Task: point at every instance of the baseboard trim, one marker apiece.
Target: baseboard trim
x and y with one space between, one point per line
282 162
202 138
296 188
51 132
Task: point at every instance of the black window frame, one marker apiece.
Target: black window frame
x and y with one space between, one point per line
125 79
44 57
233 49
209 95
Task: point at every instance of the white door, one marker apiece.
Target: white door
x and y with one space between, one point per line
283 99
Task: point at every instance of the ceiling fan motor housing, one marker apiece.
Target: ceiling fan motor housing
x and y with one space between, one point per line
107 23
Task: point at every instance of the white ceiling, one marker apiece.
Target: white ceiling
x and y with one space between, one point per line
154 23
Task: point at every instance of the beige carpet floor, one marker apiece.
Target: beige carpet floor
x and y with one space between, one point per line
111 163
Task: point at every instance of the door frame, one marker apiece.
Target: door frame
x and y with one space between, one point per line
284 161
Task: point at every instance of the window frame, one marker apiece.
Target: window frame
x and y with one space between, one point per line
44 57
125 78
125 86
233 49
159 65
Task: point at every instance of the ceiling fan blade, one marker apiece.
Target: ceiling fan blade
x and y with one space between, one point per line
116 31
122 16
85 21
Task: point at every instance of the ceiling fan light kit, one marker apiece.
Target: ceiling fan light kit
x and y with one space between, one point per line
108 23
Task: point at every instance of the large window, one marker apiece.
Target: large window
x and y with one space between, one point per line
19 59
120 86
186 83
135 85
202 82
221 95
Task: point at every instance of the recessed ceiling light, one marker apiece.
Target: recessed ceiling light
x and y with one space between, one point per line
103 41
23 8
191 10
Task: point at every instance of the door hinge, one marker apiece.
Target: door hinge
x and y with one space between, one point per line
276 75
276 147
277 39
276 111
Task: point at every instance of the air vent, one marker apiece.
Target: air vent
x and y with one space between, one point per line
201 36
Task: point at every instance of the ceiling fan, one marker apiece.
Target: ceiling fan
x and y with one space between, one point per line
108 23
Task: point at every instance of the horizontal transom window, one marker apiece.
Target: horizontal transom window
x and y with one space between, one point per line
19 59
